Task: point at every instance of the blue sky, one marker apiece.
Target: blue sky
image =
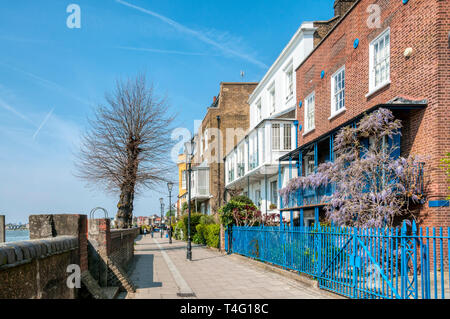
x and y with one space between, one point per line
52 76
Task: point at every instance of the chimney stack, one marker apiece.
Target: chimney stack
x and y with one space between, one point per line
342 6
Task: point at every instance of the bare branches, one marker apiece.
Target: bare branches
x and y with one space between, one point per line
127 145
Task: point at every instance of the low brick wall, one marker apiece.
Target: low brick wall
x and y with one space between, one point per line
36 269
122 246
105 243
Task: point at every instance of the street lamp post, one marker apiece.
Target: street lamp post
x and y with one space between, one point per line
170 187
161 200
189 151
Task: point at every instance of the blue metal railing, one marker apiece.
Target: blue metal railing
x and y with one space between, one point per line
358 263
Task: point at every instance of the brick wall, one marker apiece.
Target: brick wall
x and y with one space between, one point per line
234 112
37 268
104 243
424 26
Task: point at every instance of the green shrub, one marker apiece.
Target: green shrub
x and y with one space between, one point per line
243 199
195 220
200 235
213 235
238 202
207 220
178 230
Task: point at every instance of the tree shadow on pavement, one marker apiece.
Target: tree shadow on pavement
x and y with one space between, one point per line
141 272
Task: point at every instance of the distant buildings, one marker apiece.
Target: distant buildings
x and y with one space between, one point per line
142 221
18 226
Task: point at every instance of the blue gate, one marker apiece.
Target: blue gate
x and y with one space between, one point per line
357 263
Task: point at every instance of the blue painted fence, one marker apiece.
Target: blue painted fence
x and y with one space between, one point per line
406 263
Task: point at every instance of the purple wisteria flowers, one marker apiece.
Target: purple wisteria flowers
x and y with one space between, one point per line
372 185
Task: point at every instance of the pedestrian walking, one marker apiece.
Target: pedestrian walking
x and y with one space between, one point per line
170 233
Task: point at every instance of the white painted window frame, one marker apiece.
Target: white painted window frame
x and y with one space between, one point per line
272 98
279 126
309 127
372 74
287 128
289 76
333 111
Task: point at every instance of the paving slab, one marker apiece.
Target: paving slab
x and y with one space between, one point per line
160 270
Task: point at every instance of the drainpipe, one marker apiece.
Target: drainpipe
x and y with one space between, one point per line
279 196
219 200
296 134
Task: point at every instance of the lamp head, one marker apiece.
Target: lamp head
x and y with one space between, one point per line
170 186
189 147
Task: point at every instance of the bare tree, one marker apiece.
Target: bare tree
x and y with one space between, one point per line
126 147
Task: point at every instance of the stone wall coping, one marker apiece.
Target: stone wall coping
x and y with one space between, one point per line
123 232
16 253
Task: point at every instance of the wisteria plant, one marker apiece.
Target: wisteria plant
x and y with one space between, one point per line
372 186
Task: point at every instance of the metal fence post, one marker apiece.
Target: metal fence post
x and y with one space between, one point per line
355 269
319 257
403 265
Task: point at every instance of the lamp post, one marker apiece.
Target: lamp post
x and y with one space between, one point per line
161 200
170 187
189 152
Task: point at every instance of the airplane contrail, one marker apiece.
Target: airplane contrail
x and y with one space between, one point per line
197 34
43 123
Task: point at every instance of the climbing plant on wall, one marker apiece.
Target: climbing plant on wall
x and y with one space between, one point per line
373 184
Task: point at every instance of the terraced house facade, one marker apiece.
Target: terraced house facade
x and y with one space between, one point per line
225 121
393 54
251 167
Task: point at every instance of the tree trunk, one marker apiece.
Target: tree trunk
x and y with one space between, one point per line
125 207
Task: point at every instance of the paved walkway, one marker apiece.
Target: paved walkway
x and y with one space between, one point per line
160 270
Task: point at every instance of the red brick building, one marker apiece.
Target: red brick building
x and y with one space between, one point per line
381 53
